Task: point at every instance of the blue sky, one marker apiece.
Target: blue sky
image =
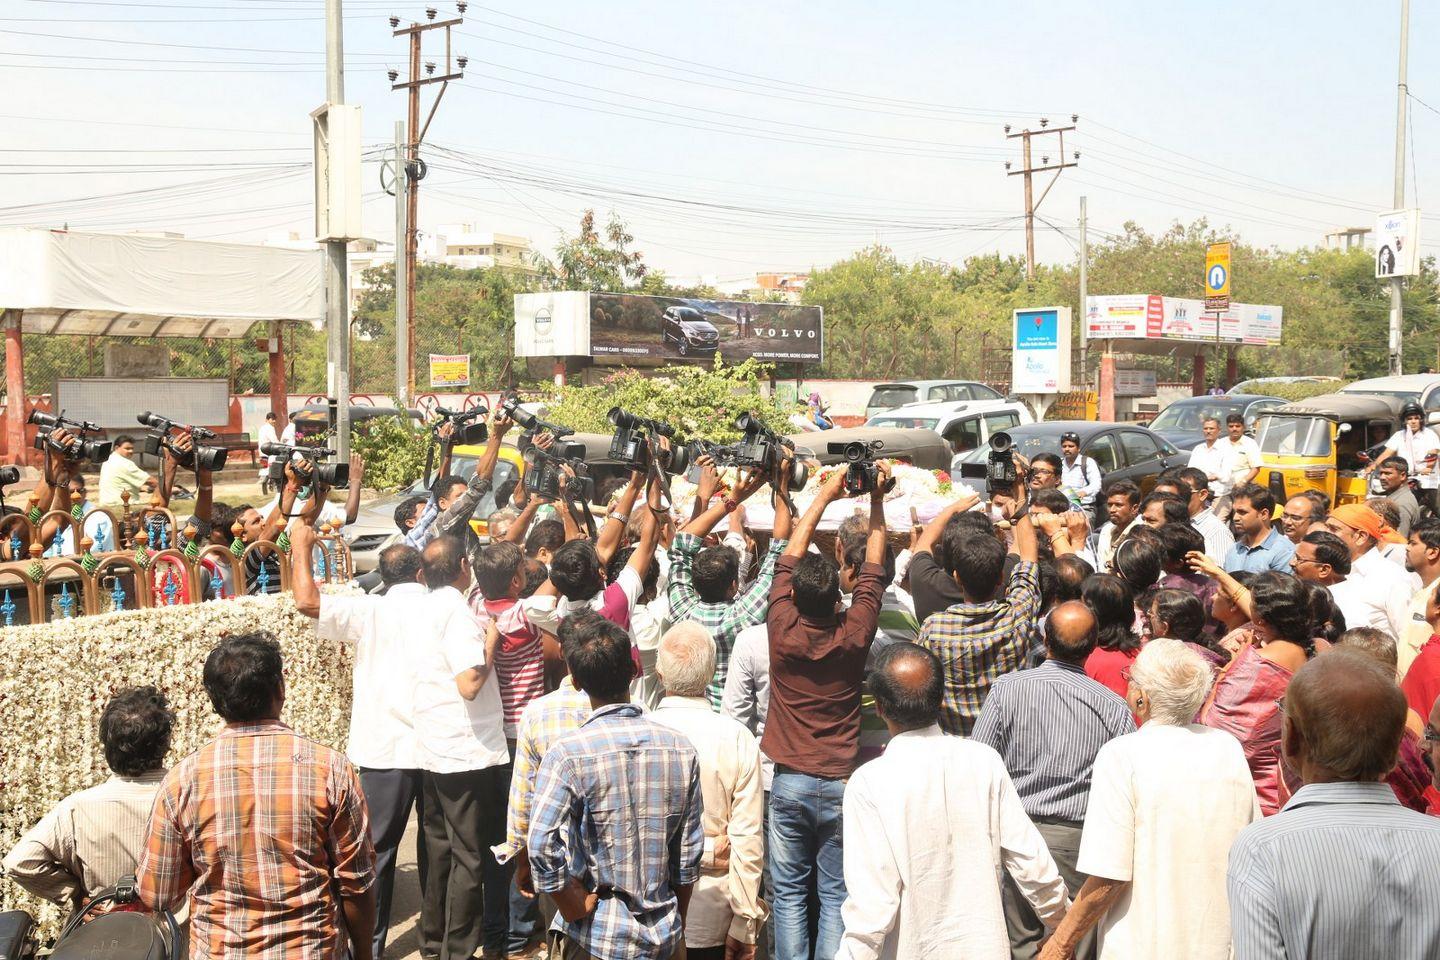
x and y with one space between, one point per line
732 137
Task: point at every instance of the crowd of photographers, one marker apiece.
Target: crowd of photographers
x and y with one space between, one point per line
663 735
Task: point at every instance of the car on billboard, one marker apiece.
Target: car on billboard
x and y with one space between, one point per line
688 329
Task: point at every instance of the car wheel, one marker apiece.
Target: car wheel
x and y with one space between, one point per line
684 347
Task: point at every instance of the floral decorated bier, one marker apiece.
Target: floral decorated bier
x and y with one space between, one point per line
925 492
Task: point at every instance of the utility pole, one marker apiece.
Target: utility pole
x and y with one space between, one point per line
1397 308
1028 172
1084 291
337 276
414 167
402 300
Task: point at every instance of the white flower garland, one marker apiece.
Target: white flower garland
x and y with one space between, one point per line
55 679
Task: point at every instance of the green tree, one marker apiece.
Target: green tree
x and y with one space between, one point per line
590 260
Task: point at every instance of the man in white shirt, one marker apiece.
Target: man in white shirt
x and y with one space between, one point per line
1079 476
1122 504
1379 580
1212 457
382 743
459 726
1244 453
725 906
1418 446
929 826
120 474
287 435
1323 558
267 435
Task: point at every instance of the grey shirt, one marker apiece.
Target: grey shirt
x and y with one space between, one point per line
1404 499
1342 872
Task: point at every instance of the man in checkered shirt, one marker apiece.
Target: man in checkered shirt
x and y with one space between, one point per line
704 581
615 831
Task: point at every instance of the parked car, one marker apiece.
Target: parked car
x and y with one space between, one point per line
1261 385
888 396
1122 451
963 424
1182 421
1421 388
688 329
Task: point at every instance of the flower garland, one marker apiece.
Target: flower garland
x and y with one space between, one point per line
55 679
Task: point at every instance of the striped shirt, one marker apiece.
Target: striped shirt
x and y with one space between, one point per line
1048 724
980 642
541 724
1218 538
87 843
618 807
520 658
266 832
1343 871
726 619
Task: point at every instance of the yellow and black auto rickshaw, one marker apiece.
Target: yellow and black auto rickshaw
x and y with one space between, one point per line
1323 443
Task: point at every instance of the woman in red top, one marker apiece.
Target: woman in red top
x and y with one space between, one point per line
1113 604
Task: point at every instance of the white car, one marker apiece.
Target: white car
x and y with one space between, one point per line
964 424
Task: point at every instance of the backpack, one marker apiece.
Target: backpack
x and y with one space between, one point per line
125 934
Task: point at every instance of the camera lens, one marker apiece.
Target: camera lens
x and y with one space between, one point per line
9 475
1001 442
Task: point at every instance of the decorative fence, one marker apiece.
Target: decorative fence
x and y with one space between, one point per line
50 569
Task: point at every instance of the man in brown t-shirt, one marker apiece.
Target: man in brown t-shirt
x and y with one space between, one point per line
812 731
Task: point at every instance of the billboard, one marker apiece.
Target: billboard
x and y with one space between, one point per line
1397 244
449 370
1153 317
632 326
1040 358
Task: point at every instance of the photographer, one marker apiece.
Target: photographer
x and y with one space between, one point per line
120 474
256 527
452 500
62 487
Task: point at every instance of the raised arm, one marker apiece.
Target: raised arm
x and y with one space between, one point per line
608 540
521 526
459 512
805 530
1239 595
925 543
302 578
470 680
875 542
357 479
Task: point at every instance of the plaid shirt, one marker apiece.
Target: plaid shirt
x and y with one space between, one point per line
726 619
544 721
618 808
265 831
977 642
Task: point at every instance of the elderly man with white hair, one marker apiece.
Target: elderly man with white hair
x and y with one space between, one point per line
726 911
1166 803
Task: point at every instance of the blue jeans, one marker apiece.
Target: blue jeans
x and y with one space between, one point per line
805 854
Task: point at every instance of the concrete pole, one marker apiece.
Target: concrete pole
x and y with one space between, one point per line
337 274
1397 309
1084 292
402 287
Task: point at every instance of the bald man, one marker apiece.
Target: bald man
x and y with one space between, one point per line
1343 870
1048 724
907 895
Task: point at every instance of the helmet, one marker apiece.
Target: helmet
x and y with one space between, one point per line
1412 409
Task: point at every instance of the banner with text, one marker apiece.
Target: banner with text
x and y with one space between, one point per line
1153 317
1040 358
449 370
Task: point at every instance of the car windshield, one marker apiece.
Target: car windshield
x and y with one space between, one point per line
1191 416
886 398
1027 445
890 420
1293 436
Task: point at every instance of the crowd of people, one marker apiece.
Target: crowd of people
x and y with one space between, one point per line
1208 728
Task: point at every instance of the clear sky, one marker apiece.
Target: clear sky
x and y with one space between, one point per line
732 137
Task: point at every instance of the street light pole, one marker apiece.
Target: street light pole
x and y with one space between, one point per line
1397 308
337 274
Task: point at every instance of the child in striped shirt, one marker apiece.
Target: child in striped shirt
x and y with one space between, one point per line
520 657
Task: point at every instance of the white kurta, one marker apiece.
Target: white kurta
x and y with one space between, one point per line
929 827
1166 803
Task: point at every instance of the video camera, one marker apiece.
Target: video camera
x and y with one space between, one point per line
530 423
1000 473
467 431
308 470
80 447
199 457
861 474
633 440
9 475
762 450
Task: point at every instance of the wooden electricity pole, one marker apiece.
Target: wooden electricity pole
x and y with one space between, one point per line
414 167
1028 172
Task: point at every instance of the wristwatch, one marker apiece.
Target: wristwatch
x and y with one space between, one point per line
613 515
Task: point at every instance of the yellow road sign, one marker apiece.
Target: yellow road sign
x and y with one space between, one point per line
1217 276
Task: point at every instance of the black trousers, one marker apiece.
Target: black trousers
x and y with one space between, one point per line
465 901
1025 928
389 795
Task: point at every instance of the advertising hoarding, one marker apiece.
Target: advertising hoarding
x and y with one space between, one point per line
632 326
1040 358
1397 244
1135 383
449 370
1153 317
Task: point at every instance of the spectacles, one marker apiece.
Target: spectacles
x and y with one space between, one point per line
1431 735
1042 472
1300 559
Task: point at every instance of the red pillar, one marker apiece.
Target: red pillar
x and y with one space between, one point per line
275 347
558 372
1107 385
1197 379
15 409
1231 375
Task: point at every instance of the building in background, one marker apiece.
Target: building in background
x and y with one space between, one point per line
461 245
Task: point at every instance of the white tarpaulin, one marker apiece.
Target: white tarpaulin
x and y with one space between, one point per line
100 284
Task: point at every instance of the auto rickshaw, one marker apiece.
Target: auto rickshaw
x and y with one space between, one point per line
1323 443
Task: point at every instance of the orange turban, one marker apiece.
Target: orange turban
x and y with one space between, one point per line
1364 519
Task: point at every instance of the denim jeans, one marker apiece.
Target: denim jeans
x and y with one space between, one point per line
805 853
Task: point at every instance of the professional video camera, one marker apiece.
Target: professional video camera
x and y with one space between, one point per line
9 475
467 430
861 474
80 447
199 457
1000 473
308 470
636 444
762 450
